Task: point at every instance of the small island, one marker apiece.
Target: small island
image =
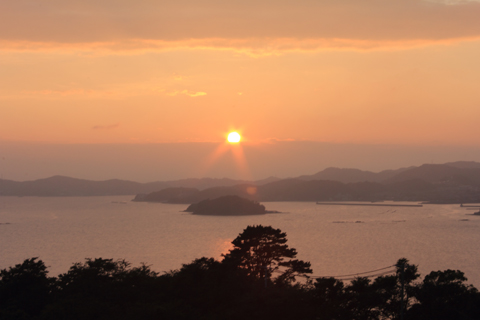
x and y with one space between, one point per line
227 206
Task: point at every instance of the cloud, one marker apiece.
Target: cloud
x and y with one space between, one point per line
112 23
253 47
106 127
453 2
187 93
195 94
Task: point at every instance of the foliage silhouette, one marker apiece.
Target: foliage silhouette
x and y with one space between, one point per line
103 289
230 289
444 295
262 251
24 290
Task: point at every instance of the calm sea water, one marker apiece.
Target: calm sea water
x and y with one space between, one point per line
335 239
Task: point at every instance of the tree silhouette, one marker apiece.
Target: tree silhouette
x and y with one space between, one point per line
262 251
24 290
445 295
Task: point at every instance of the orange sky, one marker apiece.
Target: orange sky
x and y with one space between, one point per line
401 72
167 71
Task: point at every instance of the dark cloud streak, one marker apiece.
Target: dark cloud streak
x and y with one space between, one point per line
89 21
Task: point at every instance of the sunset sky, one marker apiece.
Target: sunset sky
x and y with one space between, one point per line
303 74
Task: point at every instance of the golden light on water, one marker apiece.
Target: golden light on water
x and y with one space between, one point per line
234 137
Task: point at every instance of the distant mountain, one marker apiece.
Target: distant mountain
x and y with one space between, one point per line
283 190
464 164
352 175
204 183
300 190
453 182
192 195
466 172
169 195
326 190
267 180
66 186
440 173
434 183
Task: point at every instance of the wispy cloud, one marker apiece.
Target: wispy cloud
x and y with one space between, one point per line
254 47
187 93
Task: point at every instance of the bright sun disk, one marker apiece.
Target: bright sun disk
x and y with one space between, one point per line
233 137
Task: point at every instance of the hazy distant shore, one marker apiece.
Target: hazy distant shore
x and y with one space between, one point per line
450 183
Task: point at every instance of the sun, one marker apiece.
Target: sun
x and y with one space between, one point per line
234 137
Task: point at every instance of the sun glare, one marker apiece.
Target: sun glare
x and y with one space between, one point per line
233 137
231 149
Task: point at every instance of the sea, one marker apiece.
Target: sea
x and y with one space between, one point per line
337 240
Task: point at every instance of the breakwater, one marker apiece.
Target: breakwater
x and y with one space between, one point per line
371 204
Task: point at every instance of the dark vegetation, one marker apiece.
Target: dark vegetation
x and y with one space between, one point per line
227 206
257 279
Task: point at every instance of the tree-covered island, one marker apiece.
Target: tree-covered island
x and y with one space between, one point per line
227 206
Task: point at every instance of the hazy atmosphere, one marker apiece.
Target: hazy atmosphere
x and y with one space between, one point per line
388 72
148 90
171 161
352 126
